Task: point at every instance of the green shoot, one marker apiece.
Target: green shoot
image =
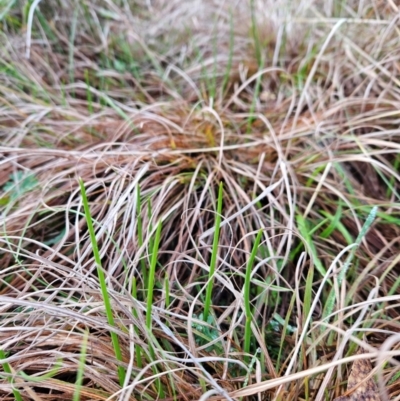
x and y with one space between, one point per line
166 291
7 369
37 379
152 273
103 284
247 300
331 298
306 233
138 350
214 254
140 235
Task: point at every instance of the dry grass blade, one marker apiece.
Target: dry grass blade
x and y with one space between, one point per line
293 105
361 385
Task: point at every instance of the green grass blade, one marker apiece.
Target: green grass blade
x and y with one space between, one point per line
150 291
214 254
138 350
167 291
284 331
152 273
103 284
38 379
330 303
305 231
7 369
336 224
247 300
140 235
334 221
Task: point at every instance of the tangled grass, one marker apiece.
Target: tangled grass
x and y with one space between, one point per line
199 200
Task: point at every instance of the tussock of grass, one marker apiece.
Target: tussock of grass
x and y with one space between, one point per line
230 158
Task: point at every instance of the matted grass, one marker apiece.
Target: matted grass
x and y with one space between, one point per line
199 200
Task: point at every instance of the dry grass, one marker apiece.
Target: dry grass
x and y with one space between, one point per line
293 106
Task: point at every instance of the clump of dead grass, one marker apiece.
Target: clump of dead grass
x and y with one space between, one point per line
153 105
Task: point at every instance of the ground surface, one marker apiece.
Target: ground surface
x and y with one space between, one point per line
198 199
